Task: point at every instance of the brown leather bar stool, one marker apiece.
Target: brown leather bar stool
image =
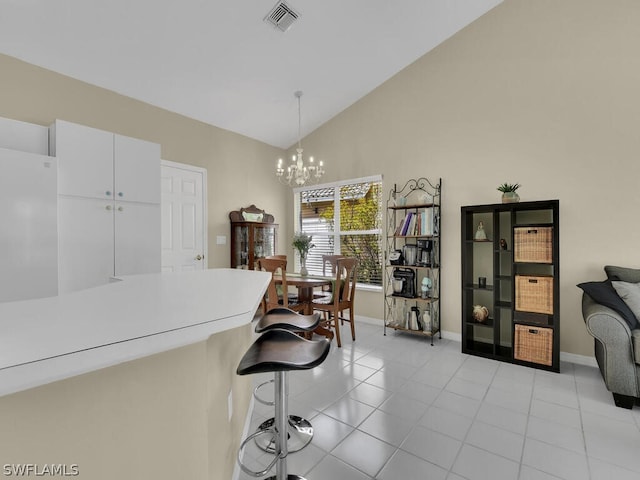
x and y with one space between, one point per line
300 430
280 351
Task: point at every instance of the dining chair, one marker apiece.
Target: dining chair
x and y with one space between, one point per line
282 257
329 266
332 262
341 298
277 294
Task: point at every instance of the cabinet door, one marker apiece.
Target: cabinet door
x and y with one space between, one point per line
85 243
85 160
137 238
136 170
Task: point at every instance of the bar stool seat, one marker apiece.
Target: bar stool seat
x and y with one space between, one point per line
300 430
280 351
287 319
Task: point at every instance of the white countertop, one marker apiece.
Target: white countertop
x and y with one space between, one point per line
49 339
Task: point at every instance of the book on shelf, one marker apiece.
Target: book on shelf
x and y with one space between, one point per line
423 223
407 222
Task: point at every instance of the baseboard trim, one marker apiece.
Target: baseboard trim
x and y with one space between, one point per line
578 359
457 337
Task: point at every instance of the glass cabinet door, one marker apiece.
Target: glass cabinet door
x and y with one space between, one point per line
241 242
264 242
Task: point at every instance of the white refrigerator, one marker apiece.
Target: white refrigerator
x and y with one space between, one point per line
28 226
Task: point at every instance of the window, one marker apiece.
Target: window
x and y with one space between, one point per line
344 218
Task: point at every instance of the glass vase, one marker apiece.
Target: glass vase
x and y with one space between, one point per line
303 266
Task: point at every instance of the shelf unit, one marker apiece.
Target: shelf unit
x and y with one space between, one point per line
518 330
420 199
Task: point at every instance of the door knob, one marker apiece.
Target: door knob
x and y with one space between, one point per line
199 257
120 209
108 207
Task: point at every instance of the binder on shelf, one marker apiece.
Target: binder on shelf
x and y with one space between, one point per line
407 222
427 227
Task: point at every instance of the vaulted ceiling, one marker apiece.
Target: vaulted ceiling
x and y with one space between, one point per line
221 63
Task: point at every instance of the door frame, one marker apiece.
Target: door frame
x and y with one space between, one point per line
205 215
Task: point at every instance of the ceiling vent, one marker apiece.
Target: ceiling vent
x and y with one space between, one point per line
281 16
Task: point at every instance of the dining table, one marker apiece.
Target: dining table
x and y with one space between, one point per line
305 285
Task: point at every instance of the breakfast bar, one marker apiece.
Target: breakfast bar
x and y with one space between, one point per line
129 373
53 338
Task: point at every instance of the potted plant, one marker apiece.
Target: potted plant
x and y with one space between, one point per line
302 243
509 194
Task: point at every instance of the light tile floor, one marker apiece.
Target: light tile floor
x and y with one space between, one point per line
395 407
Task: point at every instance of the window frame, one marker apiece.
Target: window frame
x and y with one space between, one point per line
337 233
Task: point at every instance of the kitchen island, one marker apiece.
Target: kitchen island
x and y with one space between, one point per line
134 379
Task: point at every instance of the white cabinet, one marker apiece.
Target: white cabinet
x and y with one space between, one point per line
136 170
85 160
109 205
28 233
85 243
135 250
97 164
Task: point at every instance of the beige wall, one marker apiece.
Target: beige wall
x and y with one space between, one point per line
160 417
156 418
237 166
544 93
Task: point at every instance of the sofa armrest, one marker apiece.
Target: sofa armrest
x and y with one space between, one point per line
614 347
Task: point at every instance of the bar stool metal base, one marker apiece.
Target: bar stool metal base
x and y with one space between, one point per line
289 477
299 434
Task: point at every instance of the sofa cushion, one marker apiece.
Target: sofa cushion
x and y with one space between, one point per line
630 294
604 294
635 338
622 274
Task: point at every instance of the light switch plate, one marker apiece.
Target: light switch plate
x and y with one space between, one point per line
221 240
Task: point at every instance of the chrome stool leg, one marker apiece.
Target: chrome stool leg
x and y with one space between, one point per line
279 351
299 430
281 424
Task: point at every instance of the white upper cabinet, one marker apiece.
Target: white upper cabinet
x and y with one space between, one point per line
93 163
136 170
85 160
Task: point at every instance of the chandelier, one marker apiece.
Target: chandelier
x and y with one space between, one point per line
297 174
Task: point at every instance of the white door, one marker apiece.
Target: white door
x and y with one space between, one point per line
184 233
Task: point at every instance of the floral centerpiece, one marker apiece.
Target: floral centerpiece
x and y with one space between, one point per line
302 243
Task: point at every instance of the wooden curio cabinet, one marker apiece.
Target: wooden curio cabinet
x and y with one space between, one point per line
253 236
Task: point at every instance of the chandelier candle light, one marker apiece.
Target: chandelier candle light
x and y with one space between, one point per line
297 174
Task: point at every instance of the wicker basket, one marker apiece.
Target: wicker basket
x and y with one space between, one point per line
533 244
534 344
534 294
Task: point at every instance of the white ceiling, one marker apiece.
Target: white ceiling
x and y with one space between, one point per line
218 62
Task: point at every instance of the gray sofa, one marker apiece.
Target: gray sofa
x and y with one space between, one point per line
616 331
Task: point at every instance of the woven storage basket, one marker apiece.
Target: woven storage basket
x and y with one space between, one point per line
533 244
534 294
534 344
